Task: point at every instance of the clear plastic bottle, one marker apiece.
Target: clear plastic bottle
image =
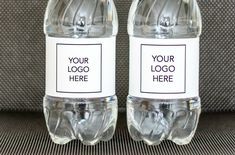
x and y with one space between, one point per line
163 101
80 101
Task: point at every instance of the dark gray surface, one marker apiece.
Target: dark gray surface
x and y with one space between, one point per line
26 134
22 55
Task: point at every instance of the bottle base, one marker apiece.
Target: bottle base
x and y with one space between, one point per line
152 120
89 120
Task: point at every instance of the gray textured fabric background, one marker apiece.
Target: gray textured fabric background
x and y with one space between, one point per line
23 55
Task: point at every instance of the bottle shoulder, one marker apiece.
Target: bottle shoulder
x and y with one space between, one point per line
81 18
164 19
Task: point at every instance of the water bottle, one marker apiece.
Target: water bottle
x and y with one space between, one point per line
80 101
163 101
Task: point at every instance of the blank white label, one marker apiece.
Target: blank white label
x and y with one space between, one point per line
164 68
80 67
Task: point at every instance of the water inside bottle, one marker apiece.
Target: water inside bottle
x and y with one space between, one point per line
156 119
90 119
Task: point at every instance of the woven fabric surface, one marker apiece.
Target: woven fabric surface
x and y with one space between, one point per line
22 49
26 134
